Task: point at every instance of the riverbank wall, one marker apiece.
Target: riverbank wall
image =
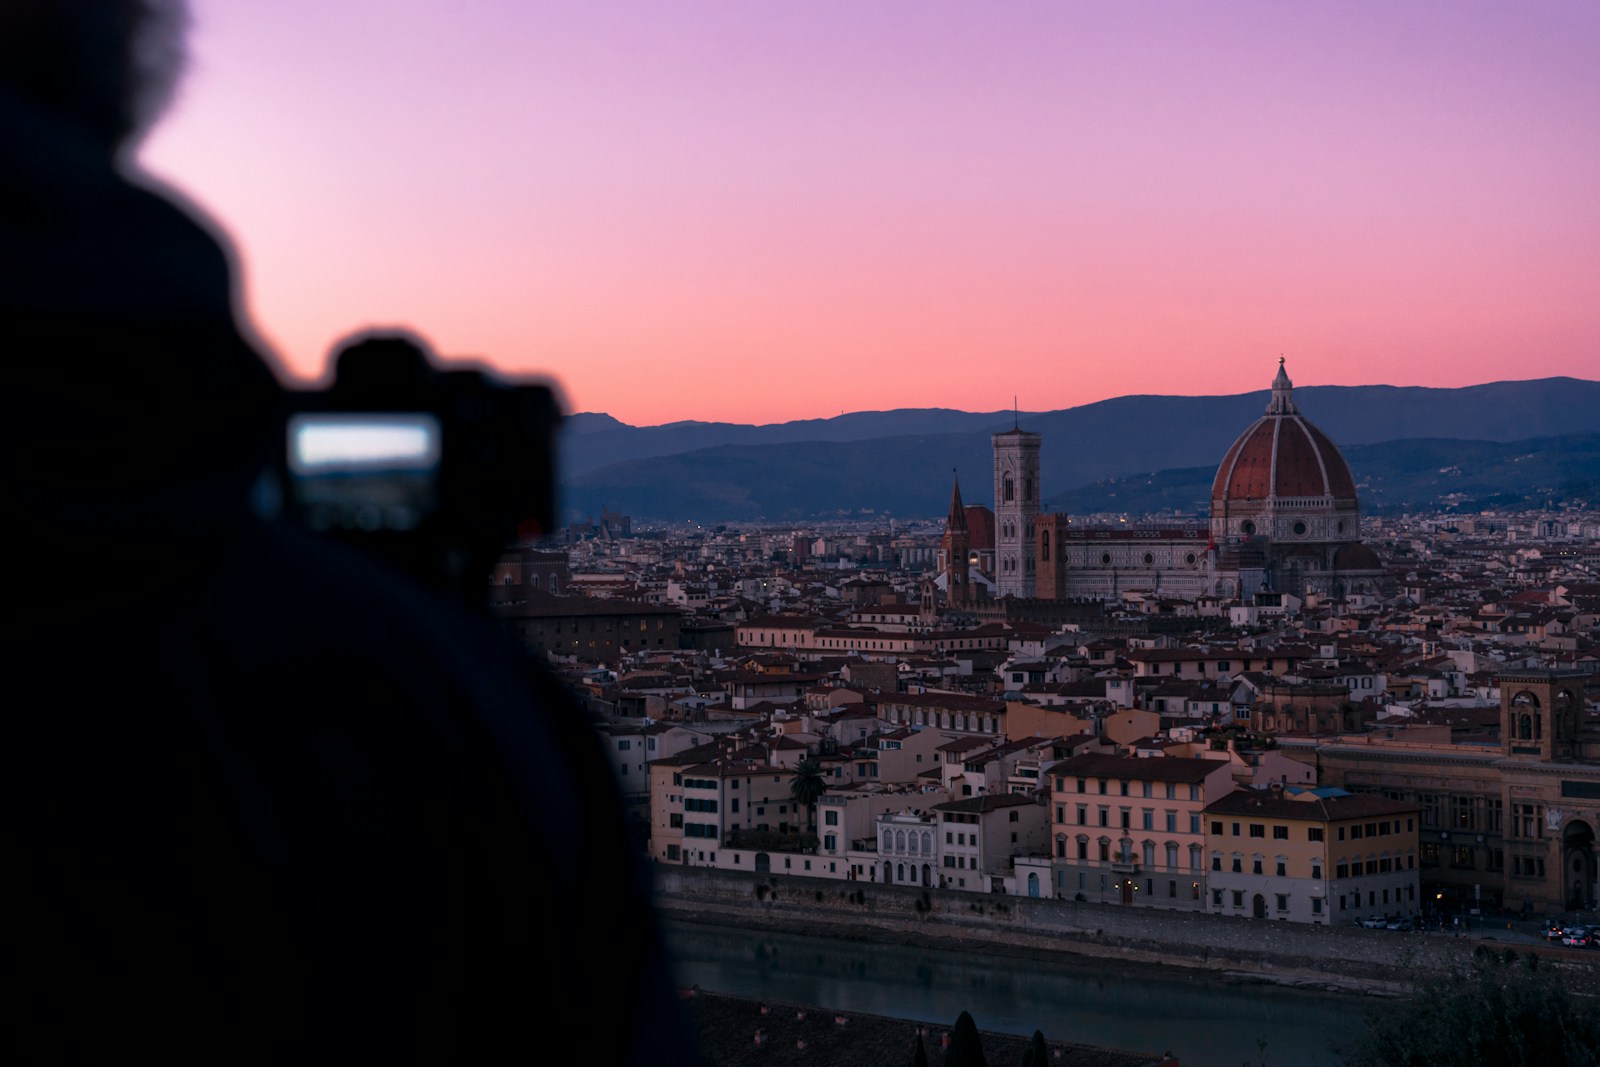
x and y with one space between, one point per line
1340 958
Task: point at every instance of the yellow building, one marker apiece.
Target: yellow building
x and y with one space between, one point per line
1311 855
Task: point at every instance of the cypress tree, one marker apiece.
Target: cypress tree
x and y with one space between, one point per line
966 1047
1036 1055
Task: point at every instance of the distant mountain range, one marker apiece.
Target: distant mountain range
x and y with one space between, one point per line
1506 445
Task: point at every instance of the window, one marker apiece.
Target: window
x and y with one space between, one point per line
1255 865
1257 830
1238 865
1280 833
1316 871
1283 901
1283 869
1083 814
1314 833
1216 862
1216 829
1238 898
1172 822
829 818
1316 905
1148 819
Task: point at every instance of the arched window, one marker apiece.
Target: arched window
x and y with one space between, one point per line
927 843
912 844
1044 546
1009 490
899 840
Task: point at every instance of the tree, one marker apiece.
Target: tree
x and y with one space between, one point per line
966 1047
807 785
1036 1054
1504 1011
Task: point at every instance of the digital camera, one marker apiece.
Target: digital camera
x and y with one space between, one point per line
432 468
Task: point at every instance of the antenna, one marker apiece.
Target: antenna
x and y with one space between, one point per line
1016 418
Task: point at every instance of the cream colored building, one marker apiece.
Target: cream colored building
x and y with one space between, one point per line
1311 855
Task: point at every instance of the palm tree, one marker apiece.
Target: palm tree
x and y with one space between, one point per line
807 785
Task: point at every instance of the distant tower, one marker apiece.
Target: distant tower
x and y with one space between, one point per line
956 546
1541 713
1016 507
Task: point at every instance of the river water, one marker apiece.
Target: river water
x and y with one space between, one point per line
1204 1022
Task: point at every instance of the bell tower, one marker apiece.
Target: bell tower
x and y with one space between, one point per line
957 541
1016 511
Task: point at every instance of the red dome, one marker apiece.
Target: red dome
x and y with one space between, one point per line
1282 456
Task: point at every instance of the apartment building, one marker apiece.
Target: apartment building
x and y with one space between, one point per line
1311 855
1130 830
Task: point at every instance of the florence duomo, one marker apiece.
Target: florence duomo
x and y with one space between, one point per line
1284 518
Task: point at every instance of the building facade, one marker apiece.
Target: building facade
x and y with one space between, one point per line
1311 855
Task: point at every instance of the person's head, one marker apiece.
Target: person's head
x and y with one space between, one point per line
106 66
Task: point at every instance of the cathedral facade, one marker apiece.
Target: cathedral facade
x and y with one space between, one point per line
1284 517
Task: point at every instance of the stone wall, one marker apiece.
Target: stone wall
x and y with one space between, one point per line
1377 960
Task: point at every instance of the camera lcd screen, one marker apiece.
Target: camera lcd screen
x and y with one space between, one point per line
364 471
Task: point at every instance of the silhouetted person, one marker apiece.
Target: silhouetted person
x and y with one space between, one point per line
265 802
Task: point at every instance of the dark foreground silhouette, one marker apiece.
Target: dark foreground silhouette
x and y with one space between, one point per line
265 801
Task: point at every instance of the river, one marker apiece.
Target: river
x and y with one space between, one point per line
1204 1022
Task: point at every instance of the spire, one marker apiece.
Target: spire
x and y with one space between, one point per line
1282 394
958 511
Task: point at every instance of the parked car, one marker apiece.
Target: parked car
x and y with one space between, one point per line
1375 922
1577 937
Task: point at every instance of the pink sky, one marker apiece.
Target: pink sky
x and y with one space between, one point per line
761 211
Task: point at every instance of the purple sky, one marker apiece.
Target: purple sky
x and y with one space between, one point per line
763 210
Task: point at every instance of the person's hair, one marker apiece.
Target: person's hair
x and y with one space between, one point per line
108 66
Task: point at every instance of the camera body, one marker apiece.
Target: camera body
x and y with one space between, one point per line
433 469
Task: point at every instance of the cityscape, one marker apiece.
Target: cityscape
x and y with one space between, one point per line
1285 712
